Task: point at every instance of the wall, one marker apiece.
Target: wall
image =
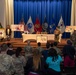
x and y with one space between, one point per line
2 12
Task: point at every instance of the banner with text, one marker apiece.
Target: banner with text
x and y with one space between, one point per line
17 27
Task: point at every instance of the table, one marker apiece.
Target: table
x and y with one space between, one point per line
47 37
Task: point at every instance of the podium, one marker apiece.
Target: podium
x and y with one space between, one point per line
2 33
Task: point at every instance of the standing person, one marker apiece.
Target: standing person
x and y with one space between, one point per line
8 32
39 47
10 50
45 52
35 64
73 38
68 53
56 48
57 33
28 50
6 62
53 62
19 62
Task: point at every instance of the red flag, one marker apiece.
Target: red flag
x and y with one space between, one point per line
37 27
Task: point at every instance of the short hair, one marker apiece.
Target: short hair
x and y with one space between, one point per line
4 47
47 45
10 52
39 44
55 43
69 42
18 51
8 44
28 42
51 44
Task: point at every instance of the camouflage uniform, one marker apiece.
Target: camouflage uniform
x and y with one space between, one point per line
6 65
73 38
57 33
40 49
19 63
28 51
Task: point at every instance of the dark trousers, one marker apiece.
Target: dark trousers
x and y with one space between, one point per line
52 72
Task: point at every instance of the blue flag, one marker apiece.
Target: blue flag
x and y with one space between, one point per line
52 26
45 26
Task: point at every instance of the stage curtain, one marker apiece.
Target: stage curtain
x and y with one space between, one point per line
9 13
73 13
41 8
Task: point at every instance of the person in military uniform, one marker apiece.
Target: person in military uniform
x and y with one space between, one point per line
6 62
19 62
73 38
28 50
57 33
39 47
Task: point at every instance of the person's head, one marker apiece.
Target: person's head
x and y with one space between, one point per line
8 26
57 27
69 42
47 45
53 54
28 42
18 51
36 58
9 45
51 45
36 52
4 47
11 53
75 31
55 43
39 44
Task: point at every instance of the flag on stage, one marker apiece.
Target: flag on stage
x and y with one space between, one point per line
52 26
30 25
22 24
45 26
61 25
37 27
22 21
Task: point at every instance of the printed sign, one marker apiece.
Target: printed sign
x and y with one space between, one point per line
70 28
42 39
18 27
